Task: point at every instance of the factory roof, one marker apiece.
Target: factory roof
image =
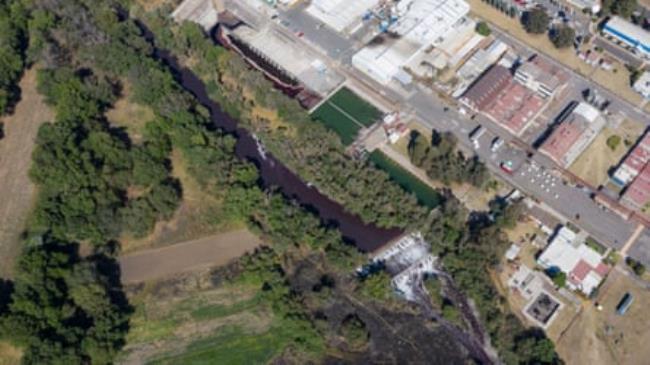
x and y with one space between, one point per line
629 32
568 135
423 21
340 14
515 107
486 89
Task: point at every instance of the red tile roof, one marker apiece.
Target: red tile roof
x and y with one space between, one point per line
561 140
485 91
515 107
602 269
581 270
640 155
637 193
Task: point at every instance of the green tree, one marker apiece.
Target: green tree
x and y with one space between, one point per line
563 36
536 21
613 142
483 29
559 279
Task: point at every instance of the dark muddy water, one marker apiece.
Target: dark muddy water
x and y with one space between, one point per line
273 173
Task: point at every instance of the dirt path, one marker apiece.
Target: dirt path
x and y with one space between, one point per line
16 190
204 252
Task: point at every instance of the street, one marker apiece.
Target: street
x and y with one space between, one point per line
536 176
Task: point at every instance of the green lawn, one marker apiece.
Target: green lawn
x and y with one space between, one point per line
361 110
333 119
425 194
231 345
346 113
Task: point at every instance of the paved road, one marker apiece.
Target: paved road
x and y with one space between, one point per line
537 176
618 52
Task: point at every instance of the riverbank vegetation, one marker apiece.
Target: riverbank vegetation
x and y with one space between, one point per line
441 160
94 183
469 244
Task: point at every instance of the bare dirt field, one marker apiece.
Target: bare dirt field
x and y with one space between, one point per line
204 252
594 163
604 337
16 190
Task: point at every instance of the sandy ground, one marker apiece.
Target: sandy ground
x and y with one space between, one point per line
604 337
594 163
204 252
16 190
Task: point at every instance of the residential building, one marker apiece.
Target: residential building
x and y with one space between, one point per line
642 85
541 76
637 195
634 37
573 135
633 163
417 27
582 265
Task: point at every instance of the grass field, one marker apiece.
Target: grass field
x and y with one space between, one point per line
16 189
188 321
346 113
129 115
425 194
595 162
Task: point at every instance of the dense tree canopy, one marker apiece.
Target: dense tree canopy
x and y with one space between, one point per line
13 42
563 36
536 21
442 161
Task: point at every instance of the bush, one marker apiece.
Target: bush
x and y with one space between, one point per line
636 266
483 29
563 36
559 279
613 142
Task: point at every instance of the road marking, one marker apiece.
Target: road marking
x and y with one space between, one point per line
632 239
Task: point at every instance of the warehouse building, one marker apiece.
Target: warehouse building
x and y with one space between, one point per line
633 36
504 101
341 15
573 135
541 76
419 26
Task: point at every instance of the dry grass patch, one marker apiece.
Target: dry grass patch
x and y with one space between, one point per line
17 193
9 355
198 215
617 82
604 337
129 115
594 163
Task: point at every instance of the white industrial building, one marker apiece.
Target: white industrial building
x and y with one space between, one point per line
633 36
582 265
420 26
340 15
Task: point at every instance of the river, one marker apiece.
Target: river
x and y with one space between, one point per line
366 237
